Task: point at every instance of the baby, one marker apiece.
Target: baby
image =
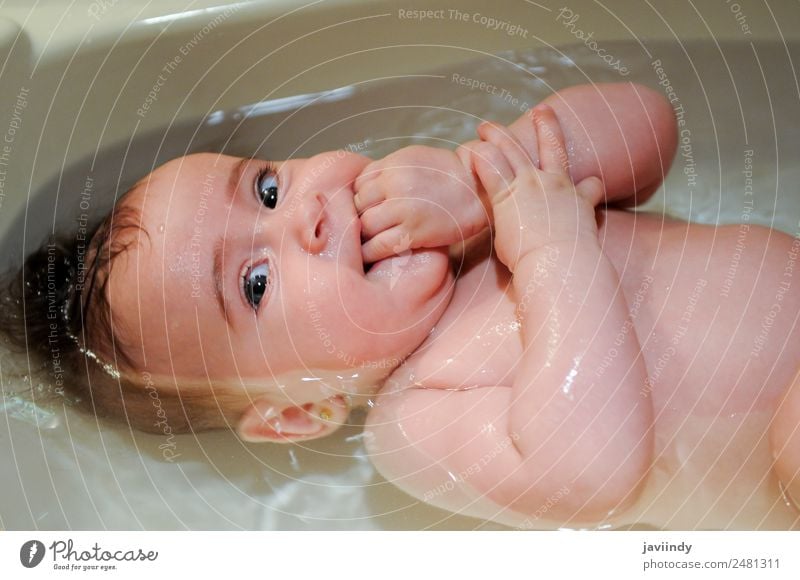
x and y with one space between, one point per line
515 337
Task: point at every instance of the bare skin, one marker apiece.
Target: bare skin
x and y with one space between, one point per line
564 396
464 371
426 431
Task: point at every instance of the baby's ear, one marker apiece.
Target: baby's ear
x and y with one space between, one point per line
280 422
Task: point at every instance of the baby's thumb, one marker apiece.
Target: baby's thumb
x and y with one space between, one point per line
591 189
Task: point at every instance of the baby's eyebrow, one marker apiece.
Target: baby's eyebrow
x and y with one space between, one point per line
235 177
218 279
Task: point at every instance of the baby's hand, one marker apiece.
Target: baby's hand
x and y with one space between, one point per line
534 208
417 197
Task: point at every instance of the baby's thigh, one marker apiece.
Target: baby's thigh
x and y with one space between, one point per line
756 283
778 294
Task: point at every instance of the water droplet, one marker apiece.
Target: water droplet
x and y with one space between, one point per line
161 229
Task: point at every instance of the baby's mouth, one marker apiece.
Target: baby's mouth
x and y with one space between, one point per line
379 268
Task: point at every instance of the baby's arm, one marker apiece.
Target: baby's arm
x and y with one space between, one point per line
562 440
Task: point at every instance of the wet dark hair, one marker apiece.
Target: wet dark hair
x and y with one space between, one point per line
55 308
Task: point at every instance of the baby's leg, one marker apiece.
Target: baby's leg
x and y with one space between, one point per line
623 133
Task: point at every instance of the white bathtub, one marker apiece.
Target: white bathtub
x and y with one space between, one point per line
94 98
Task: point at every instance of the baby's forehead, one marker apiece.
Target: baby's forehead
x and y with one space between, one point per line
143 248
181 169
170 186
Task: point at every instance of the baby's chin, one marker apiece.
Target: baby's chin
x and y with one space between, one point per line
417 275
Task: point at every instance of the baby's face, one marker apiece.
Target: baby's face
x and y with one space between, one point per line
247 273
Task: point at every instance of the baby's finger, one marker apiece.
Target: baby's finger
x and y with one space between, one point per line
492 168
552 151
592 190
368 195
388 243
512 149
370 172
379 218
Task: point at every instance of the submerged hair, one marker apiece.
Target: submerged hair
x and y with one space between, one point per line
56 311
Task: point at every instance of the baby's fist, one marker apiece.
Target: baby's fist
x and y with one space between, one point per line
417 197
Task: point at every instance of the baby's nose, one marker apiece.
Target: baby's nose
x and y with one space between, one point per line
312 223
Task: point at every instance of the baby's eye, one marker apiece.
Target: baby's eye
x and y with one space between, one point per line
255 284
267 186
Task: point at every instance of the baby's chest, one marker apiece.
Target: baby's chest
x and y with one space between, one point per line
477 342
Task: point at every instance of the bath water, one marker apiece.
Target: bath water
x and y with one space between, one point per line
67 470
